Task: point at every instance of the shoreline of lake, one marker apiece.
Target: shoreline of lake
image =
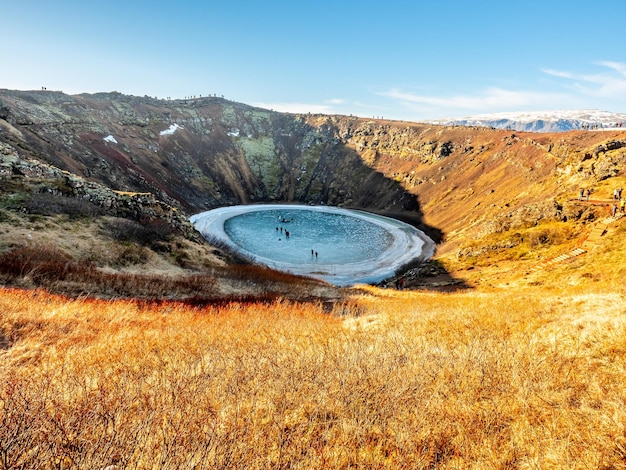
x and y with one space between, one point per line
409 244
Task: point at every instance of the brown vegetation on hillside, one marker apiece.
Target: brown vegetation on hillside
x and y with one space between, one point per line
469 179
473 190
407 380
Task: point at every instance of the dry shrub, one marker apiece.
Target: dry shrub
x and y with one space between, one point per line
130 255
42 266
36 261
147 232
74 207
551 234
260 274
415 381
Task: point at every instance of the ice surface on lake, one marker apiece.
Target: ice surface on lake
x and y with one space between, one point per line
352 246
337 238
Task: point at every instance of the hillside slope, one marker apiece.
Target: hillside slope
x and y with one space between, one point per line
486 196
198 154
502 201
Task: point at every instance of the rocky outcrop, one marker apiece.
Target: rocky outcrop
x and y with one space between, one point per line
42 178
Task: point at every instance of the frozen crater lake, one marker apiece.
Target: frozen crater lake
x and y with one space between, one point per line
340 246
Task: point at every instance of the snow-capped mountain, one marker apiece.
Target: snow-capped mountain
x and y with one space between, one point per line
542 121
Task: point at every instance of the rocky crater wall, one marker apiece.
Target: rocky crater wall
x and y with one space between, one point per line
195 154
202 153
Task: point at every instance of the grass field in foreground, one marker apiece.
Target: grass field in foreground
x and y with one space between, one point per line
400 380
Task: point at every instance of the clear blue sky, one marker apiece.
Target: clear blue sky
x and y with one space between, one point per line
395 59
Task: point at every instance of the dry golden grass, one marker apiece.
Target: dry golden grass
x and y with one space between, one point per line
389 380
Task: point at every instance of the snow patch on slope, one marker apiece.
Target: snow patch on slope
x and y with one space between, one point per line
169 131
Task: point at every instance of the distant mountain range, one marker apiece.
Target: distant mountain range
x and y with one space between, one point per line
542 121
